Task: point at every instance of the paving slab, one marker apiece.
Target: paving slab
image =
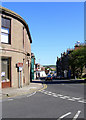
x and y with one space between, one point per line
13 92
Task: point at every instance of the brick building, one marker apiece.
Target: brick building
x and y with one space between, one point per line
62 64
15 50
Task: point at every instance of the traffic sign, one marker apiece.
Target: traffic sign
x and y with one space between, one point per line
19 64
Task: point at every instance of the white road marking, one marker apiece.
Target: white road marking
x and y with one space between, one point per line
31 94
82 101
45 93
42 90
67 97
76 116
78 99
55 95
71 99
10 99
59 95
63 97
49 94
64 116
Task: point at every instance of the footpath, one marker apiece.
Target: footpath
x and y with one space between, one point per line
13 92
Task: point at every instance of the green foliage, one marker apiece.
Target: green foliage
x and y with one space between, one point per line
77 60
48 68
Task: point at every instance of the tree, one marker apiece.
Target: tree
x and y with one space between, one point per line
77 60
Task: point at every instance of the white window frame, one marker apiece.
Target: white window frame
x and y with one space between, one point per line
4 35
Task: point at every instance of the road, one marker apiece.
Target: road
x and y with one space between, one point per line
56 101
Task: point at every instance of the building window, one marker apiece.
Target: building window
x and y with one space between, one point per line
6 69
6 31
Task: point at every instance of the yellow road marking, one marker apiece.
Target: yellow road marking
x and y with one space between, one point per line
45 86
31 91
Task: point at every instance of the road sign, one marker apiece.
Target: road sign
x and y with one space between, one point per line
19 64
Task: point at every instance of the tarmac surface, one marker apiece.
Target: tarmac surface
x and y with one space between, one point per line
56 102
35 85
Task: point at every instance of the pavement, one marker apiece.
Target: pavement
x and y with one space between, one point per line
13 92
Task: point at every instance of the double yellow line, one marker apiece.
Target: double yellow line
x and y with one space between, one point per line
44 87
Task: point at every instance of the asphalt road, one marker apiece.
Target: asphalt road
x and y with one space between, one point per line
57 101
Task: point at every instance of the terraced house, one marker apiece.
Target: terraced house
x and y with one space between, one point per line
62 64
15 50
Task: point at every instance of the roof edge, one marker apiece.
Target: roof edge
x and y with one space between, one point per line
16 16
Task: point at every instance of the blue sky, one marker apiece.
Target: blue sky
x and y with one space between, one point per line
54 26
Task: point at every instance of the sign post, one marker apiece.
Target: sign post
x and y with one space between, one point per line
20 67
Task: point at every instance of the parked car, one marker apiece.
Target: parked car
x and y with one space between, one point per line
60 77
54 77
49 77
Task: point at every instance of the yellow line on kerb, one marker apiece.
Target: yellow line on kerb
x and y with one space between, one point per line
45 86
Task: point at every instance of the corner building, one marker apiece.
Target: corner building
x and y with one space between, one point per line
15 50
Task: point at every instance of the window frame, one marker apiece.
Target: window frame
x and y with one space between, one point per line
9 28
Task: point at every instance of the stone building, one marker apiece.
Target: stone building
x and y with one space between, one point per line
15 50
62 64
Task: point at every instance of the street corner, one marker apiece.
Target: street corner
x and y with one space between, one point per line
37 87
44 86
30 89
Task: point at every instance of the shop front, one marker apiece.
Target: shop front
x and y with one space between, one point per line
6 72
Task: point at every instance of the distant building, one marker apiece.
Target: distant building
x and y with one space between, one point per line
78 45
62 65
15 50
32 66
40 71
42 68
37 67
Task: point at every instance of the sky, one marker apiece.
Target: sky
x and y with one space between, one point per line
54 26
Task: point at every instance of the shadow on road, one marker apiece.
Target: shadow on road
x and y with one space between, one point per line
60 81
